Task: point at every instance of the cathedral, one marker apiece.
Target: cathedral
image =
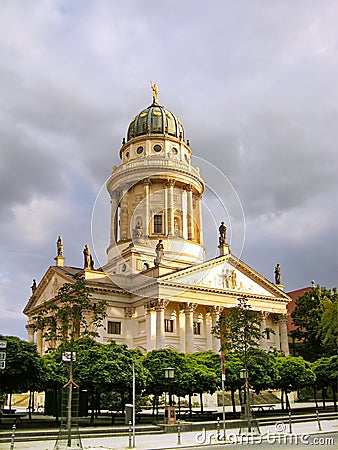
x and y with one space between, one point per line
160 290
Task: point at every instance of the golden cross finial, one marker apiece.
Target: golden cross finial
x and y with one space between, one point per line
154 88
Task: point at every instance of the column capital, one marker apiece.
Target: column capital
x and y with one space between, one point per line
146 182
188 187
190 307
149 306
170 182
161 304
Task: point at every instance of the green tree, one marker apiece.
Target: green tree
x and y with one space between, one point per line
293 373
70 315
328 326
313 326
205 378
326 371
25 369
155 362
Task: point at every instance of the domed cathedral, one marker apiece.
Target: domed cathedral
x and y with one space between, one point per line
160 291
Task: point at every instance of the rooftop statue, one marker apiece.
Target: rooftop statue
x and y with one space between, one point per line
222 234
88 260
154 88
59 246
277 274
159 249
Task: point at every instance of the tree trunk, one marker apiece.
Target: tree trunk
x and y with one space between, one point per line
315 396
190 406
154 405
201 401
10 402
334 387
92 406
323 397
233 401
30 406
56 405
282 399
287 403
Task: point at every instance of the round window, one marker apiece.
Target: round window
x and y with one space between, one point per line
139 150
157 148
127 155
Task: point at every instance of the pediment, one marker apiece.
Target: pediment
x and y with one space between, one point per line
228 274
47 288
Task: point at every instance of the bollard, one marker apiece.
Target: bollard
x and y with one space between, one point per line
319 425
130 434
218 430
290 423
13 437
178 432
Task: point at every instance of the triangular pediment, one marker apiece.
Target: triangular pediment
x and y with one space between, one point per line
226 273
49 285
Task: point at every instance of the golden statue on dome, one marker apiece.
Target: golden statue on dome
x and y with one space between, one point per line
154 88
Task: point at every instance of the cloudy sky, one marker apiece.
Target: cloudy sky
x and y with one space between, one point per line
254 83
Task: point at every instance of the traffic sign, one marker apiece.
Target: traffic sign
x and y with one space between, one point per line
2 356
2 364
3 344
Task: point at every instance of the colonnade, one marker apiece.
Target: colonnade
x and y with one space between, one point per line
188 207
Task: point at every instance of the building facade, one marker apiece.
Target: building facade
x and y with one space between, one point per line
160 290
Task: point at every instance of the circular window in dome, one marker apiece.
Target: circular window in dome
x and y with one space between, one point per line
139 150
157 148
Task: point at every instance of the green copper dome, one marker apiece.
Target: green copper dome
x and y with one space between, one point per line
155 120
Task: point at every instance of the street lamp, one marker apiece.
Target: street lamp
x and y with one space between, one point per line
169 375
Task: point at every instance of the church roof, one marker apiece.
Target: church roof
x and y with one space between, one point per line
155 119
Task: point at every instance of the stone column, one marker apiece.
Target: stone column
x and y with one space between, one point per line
39 341
275 320
146 189
215 315
113 218
200 219
284 344
189 327
190 213
150 325
30 330
128 326
170 190
263 340
208 326
181 326
184 214
160 306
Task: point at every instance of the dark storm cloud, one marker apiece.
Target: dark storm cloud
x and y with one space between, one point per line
254 83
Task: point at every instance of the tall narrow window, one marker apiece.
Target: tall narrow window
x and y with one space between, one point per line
197 327
158 224
168 325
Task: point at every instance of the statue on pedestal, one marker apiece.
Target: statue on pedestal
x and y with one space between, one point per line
277 274
88 260
159 249
222 234
59 246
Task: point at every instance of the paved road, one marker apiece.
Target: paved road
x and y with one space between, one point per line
303 435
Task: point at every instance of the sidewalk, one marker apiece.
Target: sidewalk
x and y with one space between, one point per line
189 439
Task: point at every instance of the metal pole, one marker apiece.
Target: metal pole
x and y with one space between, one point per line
290 423
218 430
69 402
178 432
223 399
319 425
130 435
134 404
13 437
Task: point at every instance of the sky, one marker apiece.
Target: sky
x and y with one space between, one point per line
254 83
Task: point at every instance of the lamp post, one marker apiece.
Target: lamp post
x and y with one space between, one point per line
169 375
243 374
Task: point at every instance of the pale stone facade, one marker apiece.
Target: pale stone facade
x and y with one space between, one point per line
163 296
